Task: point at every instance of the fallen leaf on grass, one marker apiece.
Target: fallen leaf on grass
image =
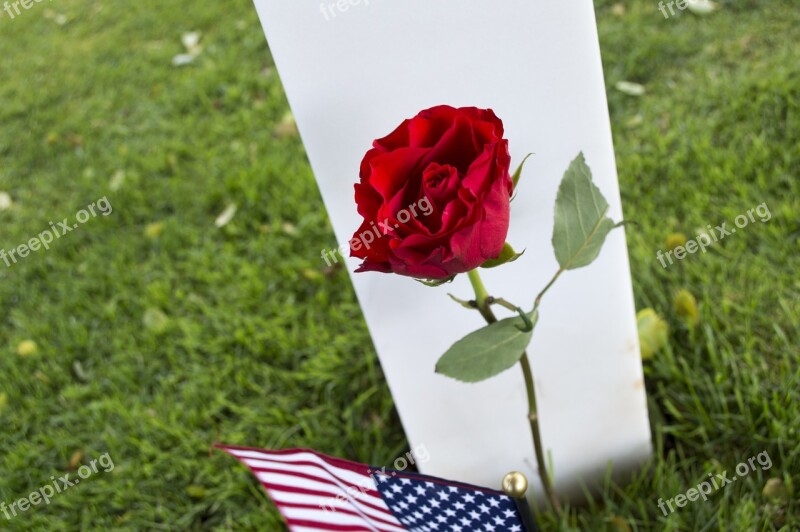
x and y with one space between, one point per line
155 320
75 460
313 275
226 216
5 201
183 60
116 180
619 523
287 127
154 230
79 372
635 120
289 229
686 307
675 239
775 489
653 332
27 348
196 492
630 88
702 7
190 41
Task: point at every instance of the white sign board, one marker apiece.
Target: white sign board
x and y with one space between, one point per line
353 70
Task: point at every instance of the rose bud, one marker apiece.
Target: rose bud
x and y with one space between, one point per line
434 195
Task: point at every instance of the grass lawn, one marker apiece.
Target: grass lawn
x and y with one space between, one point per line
150 333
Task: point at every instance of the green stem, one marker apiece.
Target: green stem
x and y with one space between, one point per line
484 304
545 289
503 303
481 296
537 435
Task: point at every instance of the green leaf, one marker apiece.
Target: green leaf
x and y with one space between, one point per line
518 173
581 224
486 352
463 302
436 282
507 255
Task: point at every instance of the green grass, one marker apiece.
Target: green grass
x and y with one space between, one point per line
248 340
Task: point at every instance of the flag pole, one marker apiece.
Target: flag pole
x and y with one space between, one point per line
515 485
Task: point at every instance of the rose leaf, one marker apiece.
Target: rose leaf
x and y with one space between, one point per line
581 224
518 173
486 352
507 255
433 283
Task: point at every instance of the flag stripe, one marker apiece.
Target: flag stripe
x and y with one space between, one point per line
306 526
343 509
317 493
286 483
323 494
354 473
337 507
314 470
334 518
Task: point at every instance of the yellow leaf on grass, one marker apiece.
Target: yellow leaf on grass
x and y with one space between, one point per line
27 348
154 230
653 332
676 239
75 460
775 489
686 306
196 492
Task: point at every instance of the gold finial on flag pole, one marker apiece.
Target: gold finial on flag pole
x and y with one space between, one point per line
515 485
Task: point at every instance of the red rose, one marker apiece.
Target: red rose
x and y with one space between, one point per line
434 195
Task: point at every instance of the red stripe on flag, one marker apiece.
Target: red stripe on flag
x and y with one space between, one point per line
314 492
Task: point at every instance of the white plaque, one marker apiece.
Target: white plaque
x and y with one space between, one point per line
353 70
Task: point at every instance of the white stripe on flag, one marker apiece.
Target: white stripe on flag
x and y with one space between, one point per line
313 470
303 514
293 497
309 529
345 475
277 481
365 489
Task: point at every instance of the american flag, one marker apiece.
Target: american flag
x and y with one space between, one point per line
317 493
